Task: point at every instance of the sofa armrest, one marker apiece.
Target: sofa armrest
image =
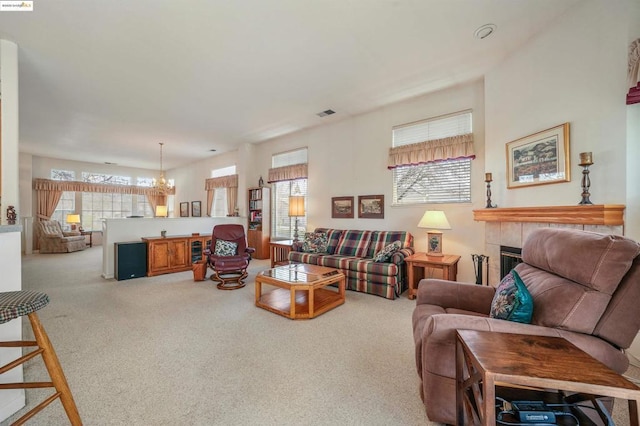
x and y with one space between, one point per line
451 294
398 257
71 233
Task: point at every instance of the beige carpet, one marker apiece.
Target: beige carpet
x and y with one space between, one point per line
167 350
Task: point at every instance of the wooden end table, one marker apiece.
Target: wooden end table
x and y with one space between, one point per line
301 292
448 263
279 252
485 360
90 234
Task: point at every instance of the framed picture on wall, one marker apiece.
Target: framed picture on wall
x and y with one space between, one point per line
371 206
540 158
184 209
342 207
195 209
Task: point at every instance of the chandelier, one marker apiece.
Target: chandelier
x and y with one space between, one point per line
162 185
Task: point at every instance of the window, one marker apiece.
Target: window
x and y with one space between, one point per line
283 225
67 203
219 205
437 181
106 179
97 206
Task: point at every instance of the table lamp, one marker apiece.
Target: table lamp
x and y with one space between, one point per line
296 209
434 220
73 219
161 211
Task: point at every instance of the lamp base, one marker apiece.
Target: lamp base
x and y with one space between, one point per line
434 243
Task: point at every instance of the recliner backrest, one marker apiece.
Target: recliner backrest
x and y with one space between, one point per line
230 232
50 227
572 275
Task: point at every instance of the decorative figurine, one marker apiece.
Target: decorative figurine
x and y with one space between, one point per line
11 215
488 178
260 182
586 160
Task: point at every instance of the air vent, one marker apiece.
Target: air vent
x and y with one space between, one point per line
325 113
212 150
110 163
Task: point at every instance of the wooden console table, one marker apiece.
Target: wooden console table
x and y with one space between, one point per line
175 253
485 360
447 263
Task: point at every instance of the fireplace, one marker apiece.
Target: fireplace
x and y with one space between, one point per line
509 258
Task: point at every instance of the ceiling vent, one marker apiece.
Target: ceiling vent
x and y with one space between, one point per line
212 150
325 113
110 163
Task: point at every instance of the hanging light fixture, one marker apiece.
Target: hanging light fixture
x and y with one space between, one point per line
162 184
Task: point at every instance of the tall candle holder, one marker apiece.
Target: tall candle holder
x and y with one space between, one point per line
586 159
488 179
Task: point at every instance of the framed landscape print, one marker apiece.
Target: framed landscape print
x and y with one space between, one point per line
371 206
184 209
342 207
540 158
195 209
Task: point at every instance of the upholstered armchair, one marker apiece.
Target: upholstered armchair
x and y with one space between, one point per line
53 240
585 288
229 256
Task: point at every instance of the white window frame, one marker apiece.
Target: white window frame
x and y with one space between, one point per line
283 226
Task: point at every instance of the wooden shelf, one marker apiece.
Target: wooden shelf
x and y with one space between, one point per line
594 214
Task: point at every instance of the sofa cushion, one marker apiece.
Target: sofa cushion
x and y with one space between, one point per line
597 261
333 238
314 242
354 243
385 254
381 239
512 301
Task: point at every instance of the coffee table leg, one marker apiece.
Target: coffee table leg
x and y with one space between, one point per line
258 286
310 298
292 310
634 415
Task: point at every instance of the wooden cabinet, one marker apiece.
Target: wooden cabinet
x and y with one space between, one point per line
259 202
174 253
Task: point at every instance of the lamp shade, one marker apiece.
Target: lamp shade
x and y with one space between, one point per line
434 219
161 211
296 206
73 218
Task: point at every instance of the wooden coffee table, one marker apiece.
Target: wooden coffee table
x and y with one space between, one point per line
302 291
486 360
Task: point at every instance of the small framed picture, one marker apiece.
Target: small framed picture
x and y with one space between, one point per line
184 209
540 158
371 206
342 207
195 209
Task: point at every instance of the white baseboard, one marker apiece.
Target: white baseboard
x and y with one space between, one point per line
15 401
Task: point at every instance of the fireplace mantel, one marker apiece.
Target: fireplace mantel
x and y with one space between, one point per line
594 214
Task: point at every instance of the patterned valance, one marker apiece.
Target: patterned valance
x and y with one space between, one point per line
76 186
229 181
295 171
431 151
633 97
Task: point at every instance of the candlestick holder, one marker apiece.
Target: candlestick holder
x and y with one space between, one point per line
586 160
489 205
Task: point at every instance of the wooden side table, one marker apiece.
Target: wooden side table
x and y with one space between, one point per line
447 263
486 359
279 252
90 234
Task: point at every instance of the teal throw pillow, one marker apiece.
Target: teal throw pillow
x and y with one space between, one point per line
225 248
315 242
512 301
385 254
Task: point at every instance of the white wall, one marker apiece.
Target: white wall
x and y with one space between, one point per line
349 158
574 71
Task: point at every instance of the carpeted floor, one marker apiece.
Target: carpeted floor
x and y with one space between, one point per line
167 350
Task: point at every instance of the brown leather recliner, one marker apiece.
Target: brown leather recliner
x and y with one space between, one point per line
229 270
585 288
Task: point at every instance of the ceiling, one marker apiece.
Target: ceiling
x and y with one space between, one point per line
106 81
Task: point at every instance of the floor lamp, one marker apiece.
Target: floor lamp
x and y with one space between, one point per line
296 209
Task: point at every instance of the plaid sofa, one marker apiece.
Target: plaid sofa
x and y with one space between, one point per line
352 252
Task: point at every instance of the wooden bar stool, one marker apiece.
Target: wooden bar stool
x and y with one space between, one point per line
14 304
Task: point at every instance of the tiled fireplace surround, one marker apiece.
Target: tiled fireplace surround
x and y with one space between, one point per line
512 226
